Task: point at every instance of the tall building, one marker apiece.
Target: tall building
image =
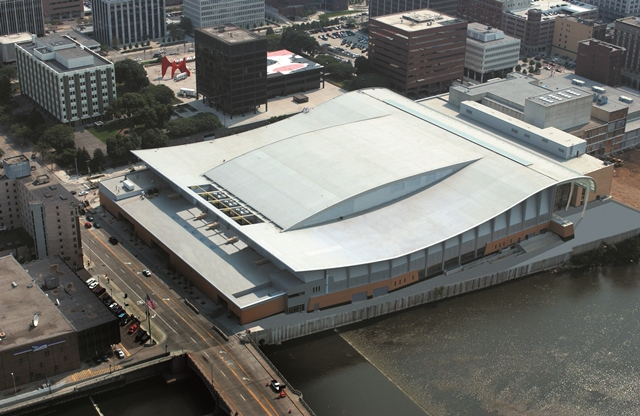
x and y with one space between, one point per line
126 22
74 84
62 9
600 61
489 52
420 52
534 26
232 68
569 30
18 16
488 12
47 211
384 7
627 35
243 13
610 10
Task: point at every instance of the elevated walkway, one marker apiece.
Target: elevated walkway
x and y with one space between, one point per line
539 242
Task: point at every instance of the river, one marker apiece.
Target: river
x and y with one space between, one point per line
552 344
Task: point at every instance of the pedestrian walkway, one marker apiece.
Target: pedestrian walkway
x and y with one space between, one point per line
89 373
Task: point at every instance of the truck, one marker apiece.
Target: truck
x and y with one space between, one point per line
187 92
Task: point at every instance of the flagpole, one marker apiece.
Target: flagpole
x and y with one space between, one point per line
149 321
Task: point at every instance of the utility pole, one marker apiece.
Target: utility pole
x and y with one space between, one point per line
15 390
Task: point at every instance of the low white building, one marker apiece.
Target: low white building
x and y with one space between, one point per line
243 13
8 45
74 84
490 53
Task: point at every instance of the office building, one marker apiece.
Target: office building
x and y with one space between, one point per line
534 25
489 52
612 10
627 35
62 9
72 83
606 118
18 16
52 322
119 23
232 68
242 13
600 61
488 12
31 199
420 52
569 30
384 7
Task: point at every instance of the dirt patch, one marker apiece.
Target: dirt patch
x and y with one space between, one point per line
626 180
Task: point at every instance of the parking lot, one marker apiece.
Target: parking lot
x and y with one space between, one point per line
345 44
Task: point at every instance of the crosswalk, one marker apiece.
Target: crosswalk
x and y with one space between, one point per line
94 372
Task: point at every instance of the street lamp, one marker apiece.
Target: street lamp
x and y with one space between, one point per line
15 390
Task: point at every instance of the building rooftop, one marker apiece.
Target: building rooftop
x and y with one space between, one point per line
20 300
63 54
78 304
483 34
230 34
602 43
16 159
327 202
285 62
16 38
413 21
47 189
630 20
551 11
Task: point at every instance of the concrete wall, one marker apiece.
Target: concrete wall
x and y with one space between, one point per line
562 115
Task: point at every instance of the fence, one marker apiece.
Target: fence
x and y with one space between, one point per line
279 334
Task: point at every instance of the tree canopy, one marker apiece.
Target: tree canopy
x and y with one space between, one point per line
59 137
130 76
153 138
298 41
119 147
183 127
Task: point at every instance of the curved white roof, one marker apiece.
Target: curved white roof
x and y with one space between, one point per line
402 176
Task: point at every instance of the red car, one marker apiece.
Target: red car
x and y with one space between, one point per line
87 225
132 329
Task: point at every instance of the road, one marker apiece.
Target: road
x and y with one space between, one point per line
239 375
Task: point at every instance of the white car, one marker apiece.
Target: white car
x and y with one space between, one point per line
119 353
146 272
83 193
90 281
93 285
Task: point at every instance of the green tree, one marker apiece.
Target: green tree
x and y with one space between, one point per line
299 42
538 65
130 76
159 93
183 127
274 42
5 87
98 160
119 147
83 157
154 138
363 66
59 137
324 20
367 81
518 68
186 25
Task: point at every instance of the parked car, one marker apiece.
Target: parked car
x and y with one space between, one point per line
146 272
83 193
89 218
87 225
139 335
113 240
144 338
90 280
96 225
132 329
119 353
93 285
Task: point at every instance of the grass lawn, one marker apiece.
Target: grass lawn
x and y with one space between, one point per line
109 130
